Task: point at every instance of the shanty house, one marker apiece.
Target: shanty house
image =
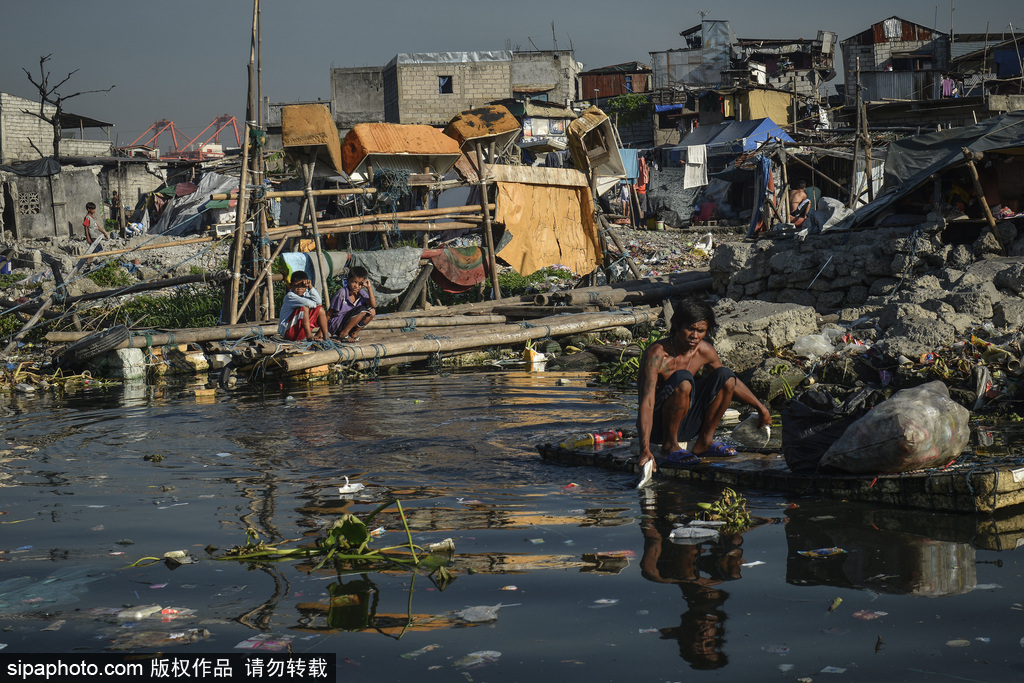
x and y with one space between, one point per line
26 137
615 80
897 60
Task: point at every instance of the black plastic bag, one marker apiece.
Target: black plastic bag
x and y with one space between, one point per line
814 420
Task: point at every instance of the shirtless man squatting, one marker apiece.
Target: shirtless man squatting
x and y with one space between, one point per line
673 406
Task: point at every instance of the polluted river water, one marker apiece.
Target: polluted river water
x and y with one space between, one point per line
560 572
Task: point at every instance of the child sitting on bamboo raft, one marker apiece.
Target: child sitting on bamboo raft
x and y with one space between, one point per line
302 311
353 306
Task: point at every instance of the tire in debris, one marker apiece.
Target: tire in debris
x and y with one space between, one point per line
93 345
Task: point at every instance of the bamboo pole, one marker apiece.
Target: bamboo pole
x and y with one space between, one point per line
492 264
972 169
282 194
140 340
147 247
618 245
797 159
536 329
307 173
230 308
263 274
418 285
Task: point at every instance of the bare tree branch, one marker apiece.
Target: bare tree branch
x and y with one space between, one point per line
49 95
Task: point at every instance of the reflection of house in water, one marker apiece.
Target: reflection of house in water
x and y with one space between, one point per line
904 552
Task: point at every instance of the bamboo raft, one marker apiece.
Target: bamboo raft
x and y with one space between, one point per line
967 486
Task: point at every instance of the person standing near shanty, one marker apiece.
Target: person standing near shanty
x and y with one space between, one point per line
799 204
91 222
675 405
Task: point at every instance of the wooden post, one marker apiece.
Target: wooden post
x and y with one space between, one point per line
307 173
418 285
492 265
785 186
426 285
230 308
981 196
869 170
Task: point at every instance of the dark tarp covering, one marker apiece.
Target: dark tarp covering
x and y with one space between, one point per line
35 169
912 161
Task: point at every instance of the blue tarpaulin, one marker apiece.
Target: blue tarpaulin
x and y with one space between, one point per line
630 161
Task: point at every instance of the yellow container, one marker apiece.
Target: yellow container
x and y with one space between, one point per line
578 441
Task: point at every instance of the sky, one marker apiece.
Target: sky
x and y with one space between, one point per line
187 61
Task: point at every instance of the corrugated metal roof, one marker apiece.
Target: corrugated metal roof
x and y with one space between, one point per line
398 139
482 122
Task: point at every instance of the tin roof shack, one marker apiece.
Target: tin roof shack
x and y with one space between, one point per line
26 137
432 87
991 71
418 149
897 60
905 77
617 79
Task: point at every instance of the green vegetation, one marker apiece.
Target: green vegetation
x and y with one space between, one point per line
625 371
731 508
186 307
629 110
111 274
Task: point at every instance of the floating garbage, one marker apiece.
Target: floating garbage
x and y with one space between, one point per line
350 488
422 651
821 552
689 535
154 640
478 658
138 613
481 613
835 604
604 602
833 670
265 641
958 642
869 615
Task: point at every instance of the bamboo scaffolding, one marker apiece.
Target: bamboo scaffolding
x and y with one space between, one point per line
281 194
536 329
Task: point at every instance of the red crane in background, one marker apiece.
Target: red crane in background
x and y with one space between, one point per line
158 129
184 151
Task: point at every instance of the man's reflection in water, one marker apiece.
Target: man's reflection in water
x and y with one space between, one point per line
698 569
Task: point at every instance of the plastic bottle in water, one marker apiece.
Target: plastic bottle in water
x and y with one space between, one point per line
578 441
607 436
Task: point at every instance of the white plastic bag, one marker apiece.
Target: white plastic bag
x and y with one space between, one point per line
916 428
812 346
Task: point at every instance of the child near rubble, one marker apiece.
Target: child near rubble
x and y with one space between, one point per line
302 311
91 221
353 306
